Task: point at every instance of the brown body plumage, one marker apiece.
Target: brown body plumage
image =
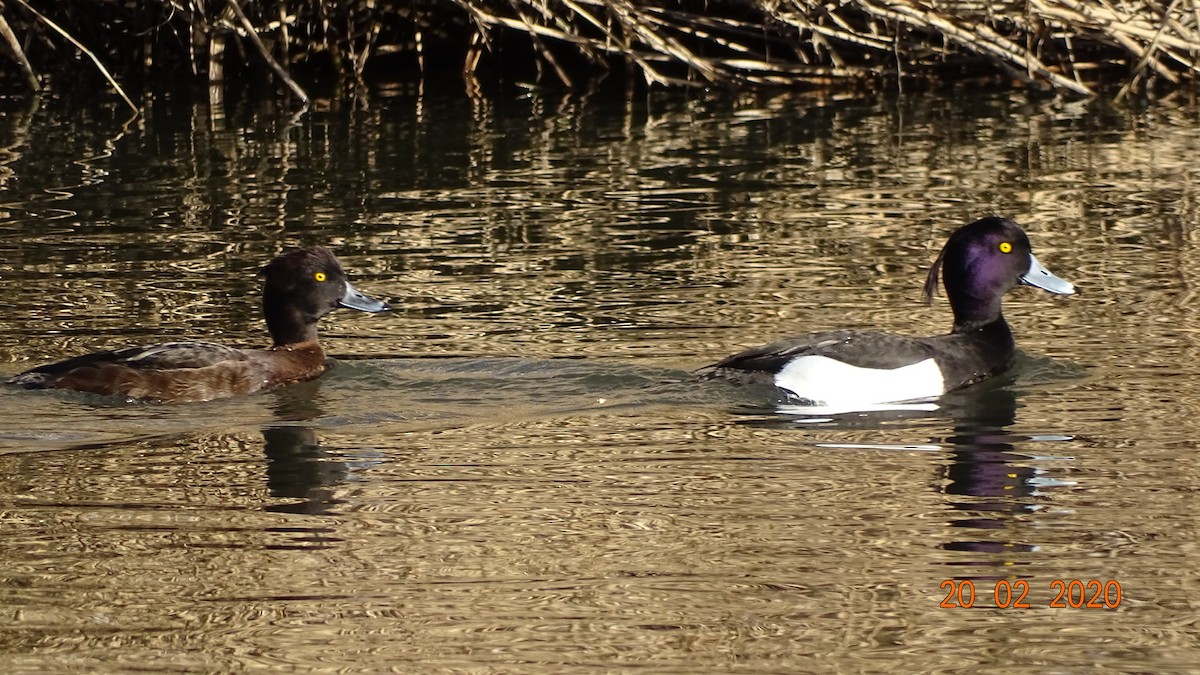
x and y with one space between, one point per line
301 287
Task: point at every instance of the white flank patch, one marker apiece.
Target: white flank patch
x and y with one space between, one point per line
830 382
809 411
873 446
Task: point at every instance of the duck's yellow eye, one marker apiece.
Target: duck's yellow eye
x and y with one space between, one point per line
320 276
1005 247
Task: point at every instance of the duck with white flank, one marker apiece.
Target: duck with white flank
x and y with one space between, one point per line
847 369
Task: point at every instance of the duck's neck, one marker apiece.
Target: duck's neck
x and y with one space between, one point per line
995 328
288 325
974 308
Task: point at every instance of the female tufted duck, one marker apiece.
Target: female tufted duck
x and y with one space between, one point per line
301 287
853 369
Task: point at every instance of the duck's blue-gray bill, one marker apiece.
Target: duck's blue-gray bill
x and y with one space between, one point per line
355 299
1042 278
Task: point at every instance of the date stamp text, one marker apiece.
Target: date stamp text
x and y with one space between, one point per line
1005 594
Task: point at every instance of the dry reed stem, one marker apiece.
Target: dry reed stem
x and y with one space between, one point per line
1065 45
541 47
262 50
14 46
646 33
78 45
1147 59
982 40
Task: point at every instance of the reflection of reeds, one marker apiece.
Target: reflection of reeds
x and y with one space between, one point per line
1066 45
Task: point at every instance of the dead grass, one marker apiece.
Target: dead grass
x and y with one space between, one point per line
1071 46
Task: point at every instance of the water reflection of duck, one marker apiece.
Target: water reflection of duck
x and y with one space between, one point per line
979 264
987 479
301 287
300 470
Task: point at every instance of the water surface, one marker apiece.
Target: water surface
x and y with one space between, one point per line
515 470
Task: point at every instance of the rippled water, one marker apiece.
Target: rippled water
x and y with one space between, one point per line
516 470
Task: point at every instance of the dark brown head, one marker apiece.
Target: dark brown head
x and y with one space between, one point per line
301 287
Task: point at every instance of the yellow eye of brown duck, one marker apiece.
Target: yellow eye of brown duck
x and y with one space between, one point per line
320 276
1005 247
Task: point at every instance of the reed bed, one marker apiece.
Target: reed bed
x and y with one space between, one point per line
1070 46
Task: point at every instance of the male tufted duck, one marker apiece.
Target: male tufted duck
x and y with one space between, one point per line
301 287
849 369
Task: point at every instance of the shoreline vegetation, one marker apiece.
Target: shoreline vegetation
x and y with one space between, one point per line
1070 47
